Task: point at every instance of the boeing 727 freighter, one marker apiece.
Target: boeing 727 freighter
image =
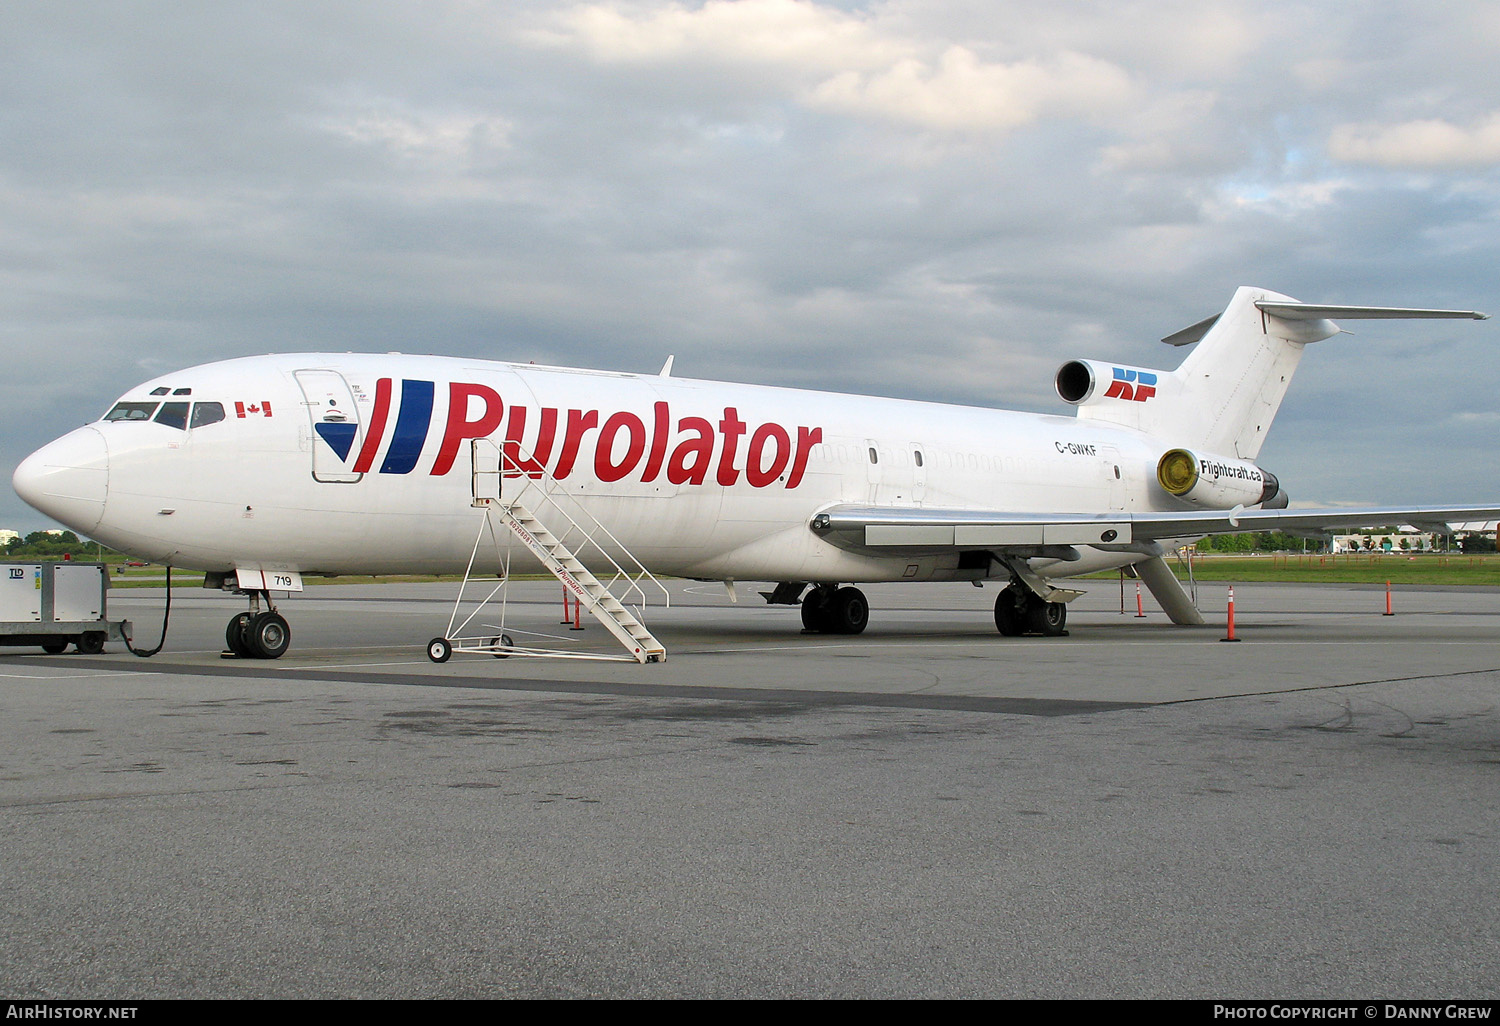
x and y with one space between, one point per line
261 470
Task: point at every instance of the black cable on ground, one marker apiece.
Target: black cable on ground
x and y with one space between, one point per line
166 616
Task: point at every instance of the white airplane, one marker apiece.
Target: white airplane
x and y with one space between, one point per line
260 470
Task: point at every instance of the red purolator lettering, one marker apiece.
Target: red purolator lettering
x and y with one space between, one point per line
757 472
461 427
579 421
806 439
699 450
627 445
732 427
661 431
605 469
517 462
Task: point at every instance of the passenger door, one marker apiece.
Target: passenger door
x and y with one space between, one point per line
335 424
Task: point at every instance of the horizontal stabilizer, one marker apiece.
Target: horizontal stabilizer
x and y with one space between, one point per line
1319 311
1192 333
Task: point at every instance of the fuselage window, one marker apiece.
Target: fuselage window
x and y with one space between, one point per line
173 415
207 413
131 411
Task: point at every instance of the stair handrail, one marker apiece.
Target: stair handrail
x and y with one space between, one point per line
523 466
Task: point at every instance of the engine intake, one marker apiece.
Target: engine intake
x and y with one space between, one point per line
1080 382
1216 482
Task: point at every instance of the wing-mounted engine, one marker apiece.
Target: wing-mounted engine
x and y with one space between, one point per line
1218 482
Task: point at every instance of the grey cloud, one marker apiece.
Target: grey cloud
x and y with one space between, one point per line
181 185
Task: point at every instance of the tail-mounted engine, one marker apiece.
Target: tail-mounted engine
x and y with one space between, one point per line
1218 482
1082 382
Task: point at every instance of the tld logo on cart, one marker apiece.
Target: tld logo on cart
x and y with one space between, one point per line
17 573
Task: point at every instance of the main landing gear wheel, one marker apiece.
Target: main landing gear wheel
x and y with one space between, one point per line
814 611
439 649
1010 612
268 635
1018 611
845 611
849 612
234 636
1049 619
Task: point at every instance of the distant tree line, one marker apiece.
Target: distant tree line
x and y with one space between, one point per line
42 545
1259 541
1278 541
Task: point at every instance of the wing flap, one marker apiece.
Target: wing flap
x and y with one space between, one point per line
889 528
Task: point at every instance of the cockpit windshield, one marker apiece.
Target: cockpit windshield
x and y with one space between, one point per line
131 411
175 415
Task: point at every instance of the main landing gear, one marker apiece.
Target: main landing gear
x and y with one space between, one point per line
1018 610
828 609
257 634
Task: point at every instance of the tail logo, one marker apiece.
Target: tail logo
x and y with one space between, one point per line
1132 385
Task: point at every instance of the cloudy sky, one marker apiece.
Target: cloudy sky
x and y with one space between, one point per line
936 199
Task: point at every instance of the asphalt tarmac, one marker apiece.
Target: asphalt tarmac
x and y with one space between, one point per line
926 810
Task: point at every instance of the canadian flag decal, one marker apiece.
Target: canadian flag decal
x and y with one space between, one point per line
262 409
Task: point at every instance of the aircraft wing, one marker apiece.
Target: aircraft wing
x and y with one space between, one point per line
922 529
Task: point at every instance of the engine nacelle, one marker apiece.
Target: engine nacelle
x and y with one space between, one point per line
1216 482
1088 381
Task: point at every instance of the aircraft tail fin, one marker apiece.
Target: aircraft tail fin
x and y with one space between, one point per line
1223 397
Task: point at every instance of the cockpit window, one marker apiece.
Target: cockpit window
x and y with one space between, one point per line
173 415
131 411
207 413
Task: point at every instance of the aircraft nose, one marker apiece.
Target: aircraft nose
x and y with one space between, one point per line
67 479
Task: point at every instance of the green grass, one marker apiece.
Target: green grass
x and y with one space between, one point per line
1291 568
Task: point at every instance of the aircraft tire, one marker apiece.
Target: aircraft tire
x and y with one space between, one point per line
268 636
1049 619
439 649
848 611
234 636
1010 616
815 611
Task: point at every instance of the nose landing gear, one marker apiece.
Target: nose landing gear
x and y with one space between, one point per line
257 634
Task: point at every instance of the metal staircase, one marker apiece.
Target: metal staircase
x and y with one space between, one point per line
590 591
574 535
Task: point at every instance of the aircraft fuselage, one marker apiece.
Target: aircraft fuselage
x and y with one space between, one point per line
343 464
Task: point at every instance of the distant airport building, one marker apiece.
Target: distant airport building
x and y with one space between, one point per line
1400 541
6 537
